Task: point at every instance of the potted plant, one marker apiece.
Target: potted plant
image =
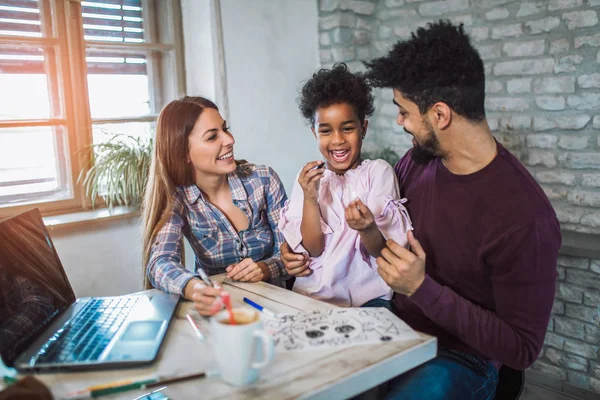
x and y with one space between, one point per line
118 170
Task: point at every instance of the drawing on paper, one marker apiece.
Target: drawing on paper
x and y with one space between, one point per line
337 328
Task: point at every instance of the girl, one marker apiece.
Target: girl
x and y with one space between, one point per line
341 215
227 210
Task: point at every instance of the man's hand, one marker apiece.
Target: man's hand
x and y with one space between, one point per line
359 217
401 269
248 271
295 264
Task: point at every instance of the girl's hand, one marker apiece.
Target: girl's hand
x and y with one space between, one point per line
207 300
309 179
248 271
359 217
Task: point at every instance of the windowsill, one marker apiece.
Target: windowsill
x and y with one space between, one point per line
88 218
580 245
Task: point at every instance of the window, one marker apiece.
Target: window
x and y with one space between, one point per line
73 73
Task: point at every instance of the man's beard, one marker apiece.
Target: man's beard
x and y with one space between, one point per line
429 150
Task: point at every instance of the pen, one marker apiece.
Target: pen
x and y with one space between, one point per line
205 278
175 380
9 380
259 307
195 327
109 388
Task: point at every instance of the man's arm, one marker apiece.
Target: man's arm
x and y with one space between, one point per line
523 274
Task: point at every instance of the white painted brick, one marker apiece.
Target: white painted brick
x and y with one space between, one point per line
591 219
509 141
497 13
542 141
400 15
342 35
466 20
363 53
337 20
506 104
324 39
569 214
589 81
554 5
493 86
480 33
438 8
597 122
524 67
493 123
580 19
573 142
362 23
521 85
490 51
491 3
555 193
564 178
598 57
550 103
488 68
382 47
541 157
562 84
550 370
584 198
325 55
559 46
516 122
394 3
359 7
592 180
389 109
593 41
560 122
501 32
594 3
402 31
329 5
524 49
384 32
344 54
585 101
527 9
362 38
542 25
583 160
567 64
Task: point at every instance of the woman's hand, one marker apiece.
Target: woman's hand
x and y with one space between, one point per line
207 300
309 179
248 271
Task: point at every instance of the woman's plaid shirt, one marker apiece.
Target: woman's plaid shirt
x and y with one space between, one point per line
258 192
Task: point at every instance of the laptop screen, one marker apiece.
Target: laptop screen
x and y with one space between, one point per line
33 286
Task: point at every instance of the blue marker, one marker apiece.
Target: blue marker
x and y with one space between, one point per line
259 307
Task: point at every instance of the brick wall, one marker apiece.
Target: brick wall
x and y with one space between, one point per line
543 102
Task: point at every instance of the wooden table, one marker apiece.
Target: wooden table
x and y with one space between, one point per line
325 374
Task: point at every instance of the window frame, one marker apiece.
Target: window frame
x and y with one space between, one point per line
66 70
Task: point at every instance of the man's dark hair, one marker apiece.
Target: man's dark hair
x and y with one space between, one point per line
437 63
336 85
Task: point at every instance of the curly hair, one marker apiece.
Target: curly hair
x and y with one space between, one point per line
437 63
333 86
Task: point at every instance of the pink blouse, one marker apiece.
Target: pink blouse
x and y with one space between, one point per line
345 274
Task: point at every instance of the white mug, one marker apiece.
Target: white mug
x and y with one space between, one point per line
237 347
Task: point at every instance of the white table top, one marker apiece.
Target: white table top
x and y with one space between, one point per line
326 374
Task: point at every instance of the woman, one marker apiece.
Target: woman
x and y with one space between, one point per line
228 210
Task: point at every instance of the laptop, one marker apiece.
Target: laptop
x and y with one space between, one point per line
44 328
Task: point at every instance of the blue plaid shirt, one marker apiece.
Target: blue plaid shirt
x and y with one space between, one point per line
258 192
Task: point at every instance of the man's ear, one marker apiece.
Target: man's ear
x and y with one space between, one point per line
441 115
365 125
312 128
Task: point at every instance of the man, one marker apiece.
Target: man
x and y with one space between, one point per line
481 275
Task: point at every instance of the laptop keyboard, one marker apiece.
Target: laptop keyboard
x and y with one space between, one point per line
87 334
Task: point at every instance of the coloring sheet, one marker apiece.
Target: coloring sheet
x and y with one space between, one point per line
340 327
